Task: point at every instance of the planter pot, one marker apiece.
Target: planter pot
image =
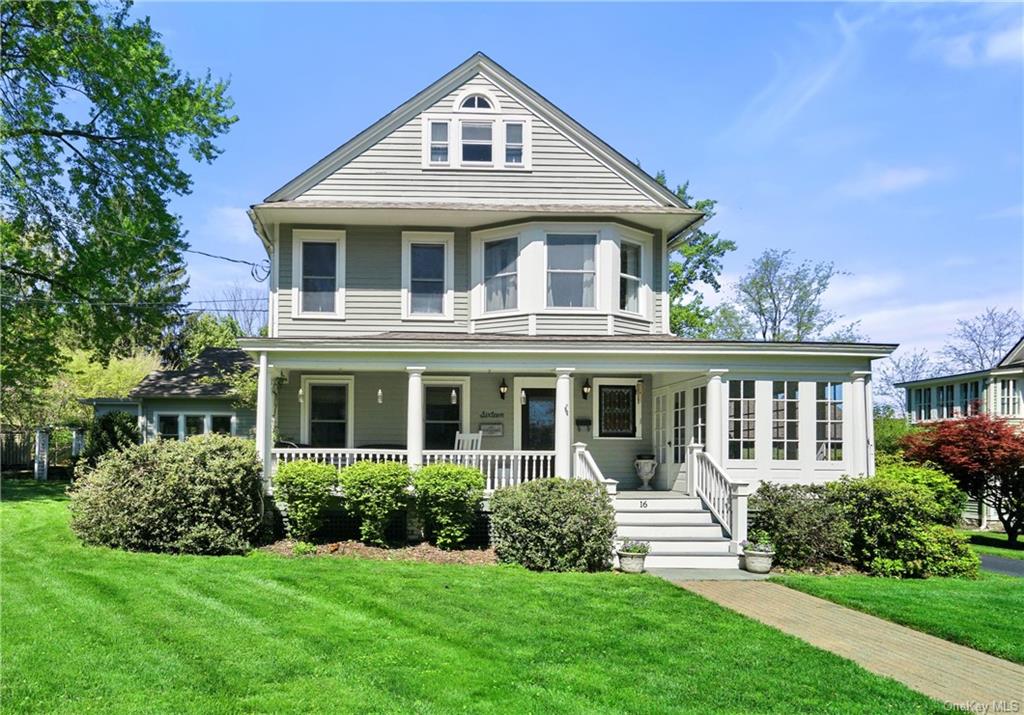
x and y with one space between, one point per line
631 563
758 561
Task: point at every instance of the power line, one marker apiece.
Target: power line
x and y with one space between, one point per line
144 304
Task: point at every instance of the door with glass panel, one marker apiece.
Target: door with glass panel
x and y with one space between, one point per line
328 415
670 420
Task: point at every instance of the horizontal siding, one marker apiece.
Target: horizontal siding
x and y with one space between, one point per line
509 324
561 172
623 325
572 324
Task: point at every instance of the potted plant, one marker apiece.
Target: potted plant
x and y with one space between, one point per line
632 555
758 552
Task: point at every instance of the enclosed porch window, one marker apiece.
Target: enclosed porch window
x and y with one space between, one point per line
742 423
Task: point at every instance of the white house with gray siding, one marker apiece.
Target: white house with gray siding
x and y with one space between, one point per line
477 262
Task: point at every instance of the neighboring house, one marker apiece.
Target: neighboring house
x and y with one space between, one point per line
175 404
998 391
477 261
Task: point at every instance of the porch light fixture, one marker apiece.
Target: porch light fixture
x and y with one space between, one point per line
502 389
586 389
522 397
380 396
454 397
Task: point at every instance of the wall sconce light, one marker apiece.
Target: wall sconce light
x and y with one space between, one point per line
502 389
454 397
380 396
522 397
586 389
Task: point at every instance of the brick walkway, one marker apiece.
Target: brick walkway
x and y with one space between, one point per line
948 672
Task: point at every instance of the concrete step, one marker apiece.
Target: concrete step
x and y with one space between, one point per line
686 544
692 561
675 503
643 516
646 531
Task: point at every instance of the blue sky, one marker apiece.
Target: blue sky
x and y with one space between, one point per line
886 138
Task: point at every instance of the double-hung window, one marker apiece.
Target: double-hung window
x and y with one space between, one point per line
477 142
183 426
742 414
829 421
785 420
427 275
616 405
326 410
442 415
439 143
514 143
500 274
629 277
572 268
1009 400
319 268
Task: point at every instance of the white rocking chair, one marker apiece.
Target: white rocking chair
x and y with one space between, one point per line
468 442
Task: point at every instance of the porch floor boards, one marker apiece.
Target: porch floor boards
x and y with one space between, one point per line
951 673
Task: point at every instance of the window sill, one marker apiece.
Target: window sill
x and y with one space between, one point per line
429 318
318 316
622 439
490 168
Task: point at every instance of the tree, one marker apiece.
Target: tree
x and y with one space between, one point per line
697 259
94 118
247 305
985 455
777 300
901 366
979 343
196 333
891 431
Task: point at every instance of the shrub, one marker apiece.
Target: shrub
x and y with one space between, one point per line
553 525
448 498
200 496
950 498
803 522
112 431
305 487
375 492
890 433
931 550
891 524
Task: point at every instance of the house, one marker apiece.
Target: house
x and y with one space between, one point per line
998 391
175 404
478 261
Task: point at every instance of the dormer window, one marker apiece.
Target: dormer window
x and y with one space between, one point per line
476 101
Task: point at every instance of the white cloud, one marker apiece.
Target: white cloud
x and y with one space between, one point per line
227 224
888 180
1016 211
970 36
847 291
1006 46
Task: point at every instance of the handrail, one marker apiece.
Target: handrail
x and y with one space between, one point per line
725 497
584 467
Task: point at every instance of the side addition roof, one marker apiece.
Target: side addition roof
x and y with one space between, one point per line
195 380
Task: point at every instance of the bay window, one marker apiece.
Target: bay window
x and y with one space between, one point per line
500 274
571 270
629 277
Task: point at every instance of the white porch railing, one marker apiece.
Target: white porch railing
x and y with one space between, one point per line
725 497
584 467
338 457
502 468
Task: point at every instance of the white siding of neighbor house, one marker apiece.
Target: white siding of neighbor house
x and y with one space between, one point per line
373 294
561 171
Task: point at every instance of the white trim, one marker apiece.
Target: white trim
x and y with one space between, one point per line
498 136
207 416
349 382
468 91
446 239
427 140
275 281
643 282
464 383
635 383
318 235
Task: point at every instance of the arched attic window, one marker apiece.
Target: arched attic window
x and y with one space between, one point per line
476 101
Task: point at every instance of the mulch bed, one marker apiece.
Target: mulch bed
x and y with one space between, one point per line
424 552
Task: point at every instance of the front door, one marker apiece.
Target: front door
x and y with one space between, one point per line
670 436
538 419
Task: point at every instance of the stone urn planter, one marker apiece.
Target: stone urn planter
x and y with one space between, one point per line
758 561
632 555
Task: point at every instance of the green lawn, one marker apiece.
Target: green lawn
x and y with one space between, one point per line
93 630
984 614
995 544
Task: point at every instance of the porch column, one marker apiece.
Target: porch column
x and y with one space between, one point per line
414 418
713 436
859 431
563 427
264 430
869 409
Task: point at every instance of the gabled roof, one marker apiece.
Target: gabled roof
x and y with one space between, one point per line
194 381
1015 356
479 63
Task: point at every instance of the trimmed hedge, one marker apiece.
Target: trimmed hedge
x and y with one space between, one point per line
804 523
305 487
448 497
375 492
951 500
200 496
553 525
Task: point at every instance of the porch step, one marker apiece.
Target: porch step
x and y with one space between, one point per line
644 516
688 545
646 531
682 560
660 503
